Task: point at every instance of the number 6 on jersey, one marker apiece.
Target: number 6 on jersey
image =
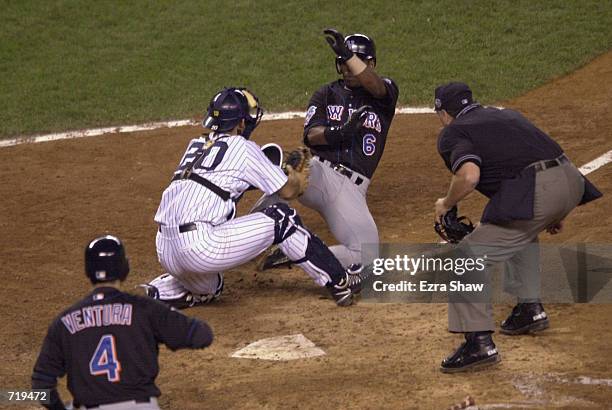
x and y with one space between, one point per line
104 360
369 144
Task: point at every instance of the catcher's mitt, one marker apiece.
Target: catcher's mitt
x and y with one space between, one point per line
453 229
298 162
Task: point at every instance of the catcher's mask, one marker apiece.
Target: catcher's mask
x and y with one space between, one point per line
360 44
105 260
231 105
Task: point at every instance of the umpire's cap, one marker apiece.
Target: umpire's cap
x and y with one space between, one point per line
105 260
452 97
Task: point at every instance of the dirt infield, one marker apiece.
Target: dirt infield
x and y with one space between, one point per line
58 195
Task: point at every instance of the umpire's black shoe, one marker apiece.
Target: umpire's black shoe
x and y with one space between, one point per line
525 318
478 351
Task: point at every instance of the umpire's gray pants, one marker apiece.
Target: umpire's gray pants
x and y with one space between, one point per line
558 190
126 405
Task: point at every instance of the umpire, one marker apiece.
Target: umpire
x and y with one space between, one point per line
531 185
107 343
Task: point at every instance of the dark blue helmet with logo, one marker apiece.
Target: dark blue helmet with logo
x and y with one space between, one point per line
230 106
361 45
105 260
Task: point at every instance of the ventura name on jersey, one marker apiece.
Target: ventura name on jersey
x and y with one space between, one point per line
97 316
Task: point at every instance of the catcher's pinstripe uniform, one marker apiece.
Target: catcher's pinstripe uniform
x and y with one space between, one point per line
198 237
219 243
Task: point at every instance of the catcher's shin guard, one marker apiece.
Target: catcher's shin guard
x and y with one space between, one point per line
286 220
318 257
306 250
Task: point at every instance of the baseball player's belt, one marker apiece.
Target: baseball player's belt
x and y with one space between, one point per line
355 177
184 228
187 174
548 163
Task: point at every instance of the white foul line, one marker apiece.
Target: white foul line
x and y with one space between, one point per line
596 163
93 132
585 169
165 124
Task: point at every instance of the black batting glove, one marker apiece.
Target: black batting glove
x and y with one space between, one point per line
336 135
336 42
355 121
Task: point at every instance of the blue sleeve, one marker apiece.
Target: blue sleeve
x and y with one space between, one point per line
316 114
50 365
176 330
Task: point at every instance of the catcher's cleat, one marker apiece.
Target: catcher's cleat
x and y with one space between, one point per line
478 351
357 274
342 292
273 258
183 299
525 318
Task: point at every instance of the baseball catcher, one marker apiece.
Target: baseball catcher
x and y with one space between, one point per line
199 236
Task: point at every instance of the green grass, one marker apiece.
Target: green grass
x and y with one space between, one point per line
73 64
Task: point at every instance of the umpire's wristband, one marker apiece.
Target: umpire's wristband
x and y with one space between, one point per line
335 135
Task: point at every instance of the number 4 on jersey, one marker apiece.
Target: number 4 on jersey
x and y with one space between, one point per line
104 360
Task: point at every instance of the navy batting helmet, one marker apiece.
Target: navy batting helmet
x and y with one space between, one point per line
105 260
360 44
231 105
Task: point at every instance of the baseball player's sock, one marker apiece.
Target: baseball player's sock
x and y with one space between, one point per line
525 318
476 352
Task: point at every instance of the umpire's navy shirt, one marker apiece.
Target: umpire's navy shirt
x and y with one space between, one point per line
502 143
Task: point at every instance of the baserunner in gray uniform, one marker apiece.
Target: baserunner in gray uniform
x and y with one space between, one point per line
346 128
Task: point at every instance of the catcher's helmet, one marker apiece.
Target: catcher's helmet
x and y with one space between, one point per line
105 260
360 44
231 105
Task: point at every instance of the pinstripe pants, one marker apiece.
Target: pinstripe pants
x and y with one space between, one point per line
195 257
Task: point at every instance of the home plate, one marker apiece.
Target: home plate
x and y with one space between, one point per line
289 347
